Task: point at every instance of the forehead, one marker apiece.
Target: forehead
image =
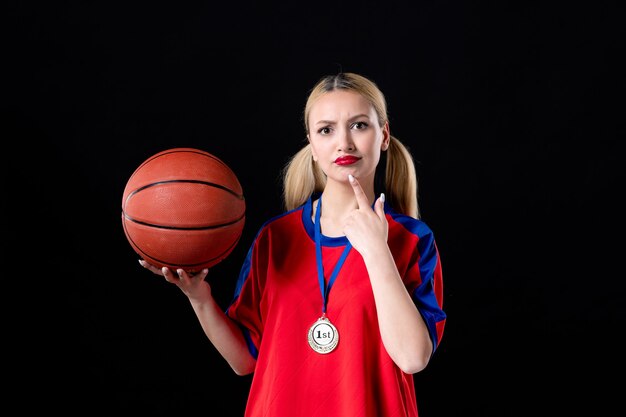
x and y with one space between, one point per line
338 104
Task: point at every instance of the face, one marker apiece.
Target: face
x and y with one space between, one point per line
346 137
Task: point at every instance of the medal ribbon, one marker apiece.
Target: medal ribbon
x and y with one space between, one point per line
318 252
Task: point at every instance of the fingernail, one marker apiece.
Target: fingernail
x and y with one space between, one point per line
180 271
141 262
382 197
205 271
350 178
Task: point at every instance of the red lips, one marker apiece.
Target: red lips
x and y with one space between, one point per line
346 160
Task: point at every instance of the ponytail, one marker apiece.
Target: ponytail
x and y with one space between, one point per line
401 179
301 178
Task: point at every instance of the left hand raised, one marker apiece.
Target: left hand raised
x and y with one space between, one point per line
366 229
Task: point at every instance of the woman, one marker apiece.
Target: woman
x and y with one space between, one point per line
339 299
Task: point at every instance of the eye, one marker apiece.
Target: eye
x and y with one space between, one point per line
324 130
359 125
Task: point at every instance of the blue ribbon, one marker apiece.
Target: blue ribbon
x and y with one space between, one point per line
318 253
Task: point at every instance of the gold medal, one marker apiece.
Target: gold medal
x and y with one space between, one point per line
323 336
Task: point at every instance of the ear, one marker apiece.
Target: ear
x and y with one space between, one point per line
311 148
386 137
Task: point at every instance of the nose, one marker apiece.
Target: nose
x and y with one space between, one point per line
345 142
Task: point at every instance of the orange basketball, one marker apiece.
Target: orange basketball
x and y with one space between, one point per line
183 208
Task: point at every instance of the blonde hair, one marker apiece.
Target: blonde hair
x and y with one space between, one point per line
303 177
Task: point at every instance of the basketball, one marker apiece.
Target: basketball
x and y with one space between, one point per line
183 208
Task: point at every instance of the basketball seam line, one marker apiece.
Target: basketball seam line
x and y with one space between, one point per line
217 226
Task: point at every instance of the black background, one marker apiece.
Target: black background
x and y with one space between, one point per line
514 112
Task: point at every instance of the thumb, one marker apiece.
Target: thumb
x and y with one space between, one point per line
380 206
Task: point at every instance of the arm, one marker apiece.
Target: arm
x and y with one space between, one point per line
403 331
223 332
402 328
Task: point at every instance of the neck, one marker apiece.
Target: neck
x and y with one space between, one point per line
339 199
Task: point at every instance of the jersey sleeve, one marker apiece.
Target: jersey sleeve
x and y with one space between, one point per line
419 264
428 293
245 306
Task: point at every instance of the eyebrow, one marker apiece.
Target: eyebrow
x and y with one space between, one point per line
331 122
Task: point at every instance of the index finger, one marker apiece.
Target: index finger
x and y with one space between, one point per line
361 198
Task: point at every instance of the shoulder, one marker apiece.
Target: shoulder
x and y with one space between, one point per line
283 221
405 222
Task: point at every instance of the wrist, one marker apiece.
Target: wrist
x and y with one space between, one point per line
376 254
202 298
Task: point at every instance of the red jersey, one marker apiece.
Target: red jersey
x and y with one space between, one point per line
278 299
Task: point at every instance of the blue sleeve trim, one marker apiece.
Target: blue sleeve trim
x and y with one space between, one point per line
426 302
251 347
424 295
